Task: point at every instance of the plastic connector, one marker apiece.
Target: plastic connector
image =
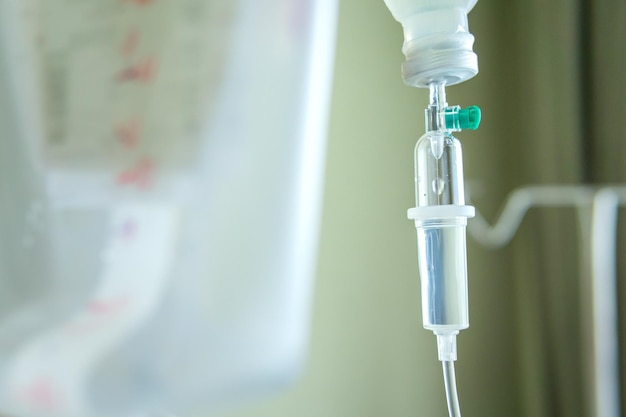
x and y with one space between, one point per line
446 346
458 119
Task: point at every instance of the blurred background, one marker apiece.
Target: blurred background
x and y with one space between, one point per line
552 88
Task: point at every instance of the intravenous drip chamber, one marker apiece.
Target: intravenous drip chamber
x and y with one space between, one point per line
438 170
440 217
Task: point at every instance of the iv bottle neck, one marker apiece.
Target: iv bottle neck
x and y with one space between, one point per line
437 43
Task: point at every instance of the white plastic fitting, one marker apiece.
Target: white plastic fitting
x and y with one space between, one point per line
446 346
437 42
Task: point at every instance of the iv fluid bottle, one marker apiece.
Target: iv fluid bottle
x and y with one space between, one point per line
440 218
437 42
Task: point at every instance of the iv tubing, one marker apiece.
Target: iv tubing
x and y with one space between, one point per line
449 380
446 347
434 116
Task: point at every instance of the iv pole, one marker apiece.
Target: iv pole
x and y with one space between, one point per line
600 228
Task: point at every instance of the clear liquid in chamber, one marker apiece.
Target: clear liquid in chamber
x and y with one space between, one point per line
443 274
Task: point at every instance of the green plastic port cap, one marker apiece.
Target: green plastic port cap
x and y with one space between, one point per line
469 118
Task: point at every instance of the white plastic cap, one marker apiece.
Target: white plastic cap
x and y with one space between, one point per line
437 42
440 212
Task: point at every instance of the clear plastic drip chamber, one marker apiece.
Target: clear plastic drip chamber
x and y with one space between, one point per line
440 219
441 216
437 42
438 170
443 273
438 154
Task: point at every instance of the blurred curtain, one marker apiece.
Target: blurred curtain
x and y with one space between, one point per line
565 68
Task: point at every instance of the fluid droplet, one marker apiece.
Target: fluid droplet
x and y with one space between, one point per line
438 186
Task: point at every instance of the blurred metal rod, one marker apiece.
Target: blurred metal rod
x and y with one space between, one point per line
604 202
